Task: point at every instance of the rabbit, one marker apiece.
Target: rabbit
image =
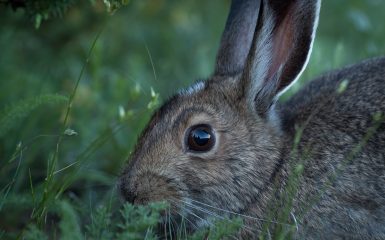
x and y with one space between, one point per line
226 147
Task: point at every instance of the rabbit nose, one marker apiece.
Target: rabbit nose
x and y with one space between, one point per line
127 192
130 196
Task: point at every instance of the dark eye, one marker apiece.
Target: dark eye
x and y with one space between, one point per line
200 138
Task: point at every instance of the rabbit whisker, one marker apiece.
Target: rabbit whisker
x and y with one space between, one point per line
198 217
172 224
165 228
214 214
202 209
240 214
188 220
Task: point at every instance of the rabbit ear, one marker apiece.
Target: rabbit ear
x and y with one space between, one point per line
281 47
237 37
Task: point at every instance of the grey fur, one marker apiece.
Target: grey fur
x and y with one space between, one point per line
237 37
250 166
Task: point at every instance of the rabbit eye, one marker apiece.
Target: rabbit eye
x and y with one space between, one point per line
200 138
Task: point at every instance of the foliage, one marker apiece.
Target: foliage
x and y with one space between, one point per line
58 175
11 115
113 5
34 233
100 228
134 222
138 222
69 222
40 10
222 229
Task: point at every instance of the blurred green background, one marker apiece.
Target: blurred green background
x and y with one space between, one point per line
160 45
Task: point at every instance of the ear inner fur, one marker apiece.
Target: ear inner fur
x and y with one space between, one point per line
282 42
282 45
301 37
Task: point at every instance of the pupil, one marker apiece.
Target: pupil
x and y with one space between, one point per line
201 137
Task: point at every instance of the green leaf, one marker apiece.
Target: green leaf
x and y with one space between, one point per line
69 223
113 5
100 227
34 233
343 85
38 19
139 221
70 132
154 102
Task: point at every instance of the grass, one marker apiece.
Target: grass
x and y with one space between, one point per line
47 202
65 135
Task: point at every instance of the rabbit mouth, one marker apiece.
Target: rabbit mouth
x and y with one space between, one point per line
187 210
181 216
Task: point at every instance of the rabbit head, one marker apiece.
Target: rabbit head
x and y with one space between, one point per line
219 142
